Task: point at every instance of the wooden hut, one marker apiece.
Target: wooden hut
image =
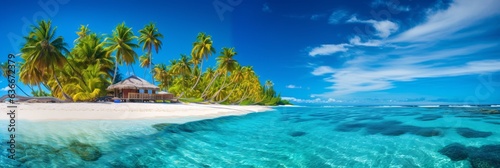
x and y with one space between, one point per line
134 88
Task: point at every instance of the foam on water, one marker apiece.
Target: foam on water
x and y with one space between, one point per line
285 137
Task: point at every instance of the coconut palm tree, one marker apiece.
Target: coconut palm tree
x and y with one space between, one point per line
149 38
90 50
236 77
121 43
43 51
226 63
96 84
82 32
162 75
202 49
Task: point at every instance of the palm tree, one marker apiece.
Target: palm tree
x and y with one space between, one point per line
226 63
83 32
150 37
90 51
44 51
161 74
269 84
236 77
182 70
202 49
122 44
96 84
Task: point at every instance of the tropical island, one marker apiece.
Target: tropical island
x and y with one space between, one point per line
82 73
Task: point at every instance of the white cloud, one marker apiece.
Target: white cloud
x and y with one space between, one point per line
376 70
337 16
393 6
356 40
322 70
364 74
293 87
460 15
328 49
5 88
266 8
384 28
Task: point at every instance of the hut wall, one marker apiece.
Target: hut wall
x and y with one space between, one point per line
126 91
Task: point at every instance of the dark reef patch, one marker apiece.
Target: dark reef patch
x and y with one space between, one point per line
86 152
470 133
455 151
429 117
390 128
350 127
428 132
161 126
485 156
297 133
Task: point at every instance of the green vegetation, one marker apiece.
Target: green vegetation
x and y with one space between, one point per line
83 72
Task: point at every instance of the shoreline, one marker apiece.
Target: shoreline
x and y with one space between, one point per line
125 111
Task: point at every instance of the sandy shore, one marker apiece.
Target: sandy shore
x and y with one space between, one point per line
123 111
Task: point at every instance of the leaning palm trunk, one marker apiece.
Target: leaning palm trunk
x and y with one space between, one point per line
151 67
114 76
79 74
60 87
199 76
232 91
244 96
221 87
209 84
17 86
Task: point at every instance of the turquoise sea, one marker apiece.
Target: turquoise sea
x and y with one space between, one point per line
385 136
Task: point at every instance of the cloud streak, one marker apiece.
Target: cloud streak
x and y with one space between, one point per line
380 69
460 15
293 87
384 28
328 49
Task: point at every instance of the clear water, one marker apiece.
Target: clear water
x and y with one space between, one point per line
285 137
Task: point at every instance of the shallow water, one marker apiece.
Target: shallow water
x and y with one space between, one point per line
285 137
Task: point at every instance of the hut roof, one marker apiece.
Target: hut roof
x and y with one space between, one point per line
133 82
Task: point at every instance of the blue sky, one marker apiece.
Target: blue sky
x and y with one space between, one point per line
335 52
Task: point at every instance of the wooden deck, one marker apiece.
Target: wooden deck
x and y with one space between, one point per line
150 97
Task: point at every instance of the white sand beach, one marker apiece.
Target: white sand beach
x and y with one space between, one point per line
123 111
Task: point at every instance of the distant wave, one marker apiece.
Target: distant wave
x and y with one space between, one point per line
429 106
335 106
462 106
388 106
290 106
495 105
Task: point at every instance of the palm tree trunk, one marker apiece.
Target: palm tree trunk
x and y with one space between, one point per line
22 90
151 67
244 96
79 74
209 84
232 91
199 76
221 87
60 87
31 87
39 90
114 76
